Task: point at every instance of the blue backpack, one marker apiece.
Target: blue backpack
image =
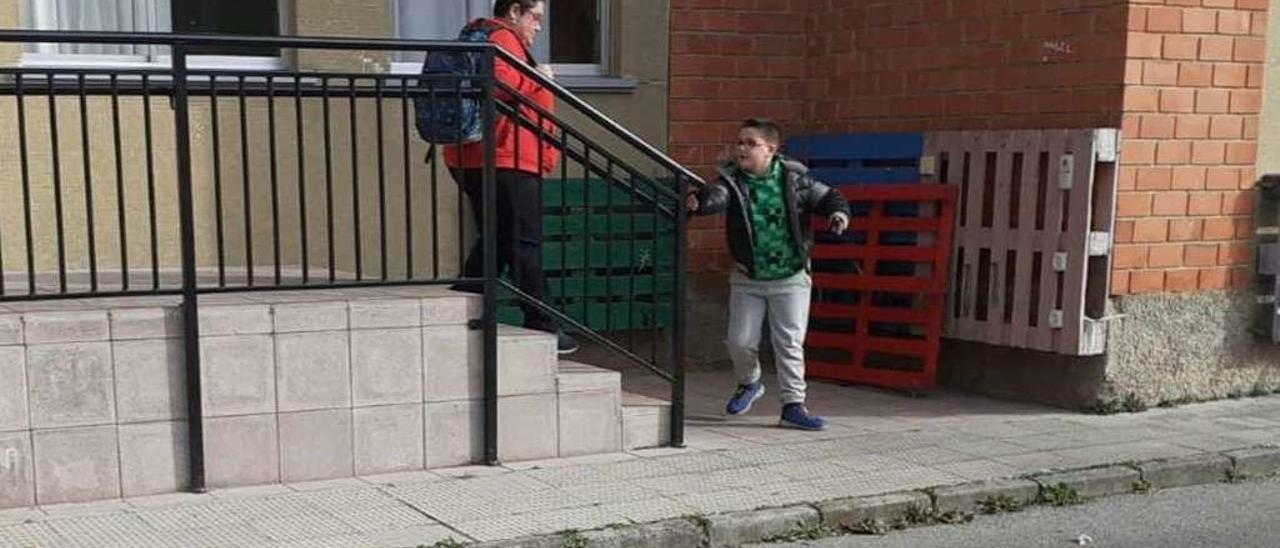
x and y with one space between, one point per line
445 116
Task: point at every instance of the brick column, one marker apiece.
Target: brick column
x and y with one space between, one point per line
1192 99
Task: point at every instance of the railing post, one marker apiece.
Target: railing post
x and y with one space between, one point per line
190 309
677 322
488 223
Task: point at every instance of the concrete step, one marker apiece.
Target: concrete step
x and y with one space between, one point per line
646 422
528 406
580 377
590 413
527 361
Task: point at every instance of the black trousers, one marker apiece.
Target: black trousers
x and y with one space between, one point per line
519 235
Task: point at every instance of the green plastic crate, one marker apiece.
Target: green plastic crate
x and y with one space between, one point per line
626 315
605 254
596 254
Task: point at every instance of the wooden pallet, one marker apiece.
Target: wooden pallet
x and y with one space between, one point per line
860 158
871 321
1031 264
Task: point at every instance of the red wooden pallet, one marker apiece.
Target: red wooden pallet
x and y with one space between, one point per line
888 343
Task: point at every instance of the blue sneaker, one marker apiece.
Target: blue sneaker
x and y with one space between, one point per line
794 415
746 395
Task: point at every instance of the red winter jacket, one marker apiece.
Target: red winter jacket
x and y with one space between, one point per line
471 155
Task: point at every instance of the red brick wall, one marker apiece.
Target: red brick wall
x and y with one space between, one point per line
731 60
1192 100
912 65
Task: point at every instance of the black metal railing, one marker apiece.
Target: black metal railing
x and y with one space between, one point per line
174 180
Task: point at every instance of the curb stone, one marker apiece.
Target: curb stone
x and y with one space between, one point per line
733 529
737 528
1094 482
551 541
676 533
884 508
966 498
1181 472
1256 462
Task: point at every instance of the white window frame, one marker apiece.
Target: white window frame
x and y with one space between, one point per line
542 49
474 10
159 61
582 69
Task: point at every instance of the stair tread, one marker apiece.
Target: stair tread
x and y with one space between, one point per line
568 367
633 400
645 421
579 377
505 330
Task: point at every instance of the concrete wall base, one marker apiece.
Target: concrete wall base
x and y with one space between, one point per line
1165 349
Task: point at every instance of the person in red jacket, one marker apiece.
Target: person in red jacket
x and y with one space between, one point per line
523 157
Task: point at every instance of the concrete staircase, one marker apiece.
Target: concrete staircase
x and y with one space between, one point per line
593 414
596 416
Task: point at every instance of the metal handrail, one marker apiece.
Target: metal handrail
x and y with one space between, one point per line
193 39
383 44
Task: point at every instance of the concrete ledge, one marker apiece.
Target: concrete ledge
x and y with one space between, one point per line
1255 463
847 513
1181 472
552 541
1094 482
968 497
738 528
672 533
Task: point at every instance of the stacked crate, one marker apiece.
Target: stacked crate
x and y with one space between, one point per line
609 257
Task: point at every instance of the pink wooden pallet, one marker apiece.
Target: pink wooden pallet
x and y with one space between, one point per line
1031 260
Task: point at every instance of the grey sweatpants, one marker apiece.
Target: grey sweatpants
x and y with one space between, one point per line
786 304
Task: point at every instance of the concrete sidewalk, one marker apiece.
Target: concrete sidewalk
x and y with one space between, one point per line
878 443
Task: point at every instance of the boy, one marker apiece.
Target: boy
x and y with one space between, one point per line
769 199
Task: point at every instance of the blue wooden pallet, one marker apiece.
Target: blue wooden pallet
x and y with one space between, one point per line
865 158
858 158
861 158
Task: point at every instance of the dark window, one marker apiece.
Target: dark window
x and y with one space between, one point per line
575 31
245 17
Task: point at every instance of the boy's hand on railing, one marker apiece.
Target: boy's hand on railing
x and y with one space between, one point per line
839 222
546 71
691 203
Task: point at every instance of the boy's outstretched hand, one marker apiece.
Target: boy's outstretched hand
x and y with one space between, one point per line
691 203
839 222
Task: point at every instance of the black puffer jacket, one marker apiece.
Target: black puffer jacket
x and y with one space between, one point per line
803 195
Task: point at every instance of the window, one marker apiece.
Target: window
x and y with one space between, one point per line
245 17
433 20
256 17
437 19
573 35
577 32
